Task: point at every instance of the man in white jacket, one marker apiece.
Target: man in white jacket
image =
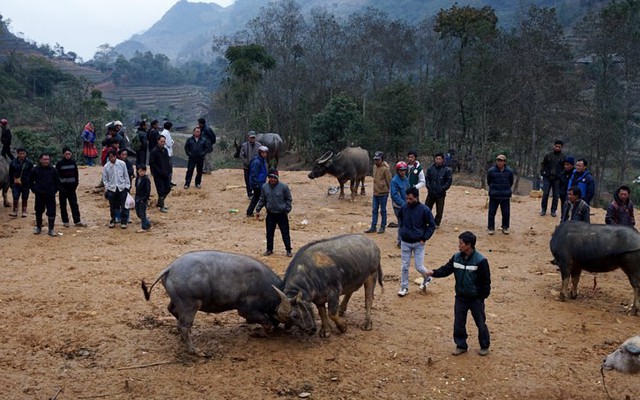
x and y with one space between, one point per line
169 146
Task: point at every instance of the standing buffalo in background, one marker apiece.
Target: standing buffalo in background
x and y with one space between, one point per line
320 273
351 164
213 282
272 140
626 358
579 246
4 180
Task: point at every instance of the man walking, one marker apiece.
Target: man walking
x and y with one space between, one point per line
500 179
551 169
416 227
19 172
160 165
275 196
208 134
439 178
248 151
257 177
473 286
44 183
117 185
196 149
68 173
381 183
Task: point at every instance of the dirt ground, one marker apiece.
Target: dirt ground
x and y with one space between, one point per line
74 321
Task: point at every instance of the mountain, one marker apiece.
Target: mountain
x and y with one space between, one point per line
185 32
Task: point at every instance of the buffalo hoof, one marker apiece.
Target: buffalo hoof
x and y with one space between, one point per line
367 326
324 334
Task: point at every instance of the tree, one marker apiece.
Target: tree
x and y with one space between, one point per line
338 125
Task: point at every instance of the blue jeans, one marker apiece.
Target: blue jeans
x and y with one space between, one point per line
548 185
379 202
418 259
505 208
141 212
461 308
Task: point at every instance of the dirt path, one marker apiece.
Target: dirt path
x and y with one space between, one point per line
74 317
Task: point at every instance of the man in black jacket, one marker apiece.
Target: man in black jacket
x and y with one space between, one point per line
68 174
473 285
500 179
208 134
160 165
19 171
44 183
196 149
551 168
5 139
439 178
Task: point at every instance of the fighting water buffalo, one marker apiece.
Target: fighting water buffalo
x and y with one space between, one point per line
351 164
579 246
320 273
272 140
626 358
213 282
4 180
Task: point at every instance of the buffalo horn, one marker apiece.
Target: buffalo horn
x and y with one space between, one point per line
285 307
325 157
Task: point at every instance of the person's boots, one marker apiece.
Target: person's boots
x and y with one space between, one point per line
52 222
14 213
24 208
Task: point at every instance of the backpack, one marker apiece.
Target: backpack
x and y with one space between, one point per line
136 143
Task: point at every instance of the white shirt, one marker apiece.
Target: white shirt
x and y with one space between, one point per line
115 176
169 144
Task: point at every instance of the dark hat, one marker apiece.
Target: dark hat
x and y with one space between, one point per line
378 155
273 173
252 133
570 160
4 121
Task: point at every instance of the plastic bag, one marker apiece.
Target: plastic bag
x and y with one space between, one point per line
130 202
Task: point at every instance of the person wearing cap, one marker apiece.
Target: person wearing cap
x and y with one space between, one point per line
257 176
500 180
275 196
620 210
69 179
210 135
398 190
5 139
439 178
551 168
160 165
248 151
44 183
564 178
19 171
120 134
381 183
582 178
196 149
415 172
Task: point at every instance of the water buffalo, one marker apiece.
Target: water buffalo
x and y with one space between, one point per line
320 273
626 358
272 140
213 282
351 164
4 180
579 246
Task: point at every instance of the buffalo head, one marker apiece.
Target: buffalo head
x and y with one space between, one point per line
296 311
321 165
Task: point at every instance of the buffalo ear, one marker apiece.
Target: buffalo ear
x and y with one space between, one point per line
633 349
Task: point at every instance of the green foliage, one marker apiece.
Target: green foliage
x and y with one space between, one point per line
339 124
467 23
37 143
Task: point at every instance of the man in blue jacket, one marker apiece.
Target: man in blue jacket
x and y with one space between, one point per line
473 285
257 177
500 180
583 179
416 227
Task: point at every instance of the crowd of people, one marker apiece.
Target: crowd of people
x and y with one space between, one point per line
566 180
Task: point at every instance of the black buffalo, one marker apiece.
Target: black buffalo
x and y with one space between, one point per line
213 282
579 246
351 164
272 140
320 273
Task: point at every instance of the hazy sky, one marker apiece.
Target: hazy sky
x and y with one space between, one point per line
83 25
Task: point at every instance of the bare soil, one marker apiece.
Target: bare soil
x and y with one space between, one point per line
74 321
